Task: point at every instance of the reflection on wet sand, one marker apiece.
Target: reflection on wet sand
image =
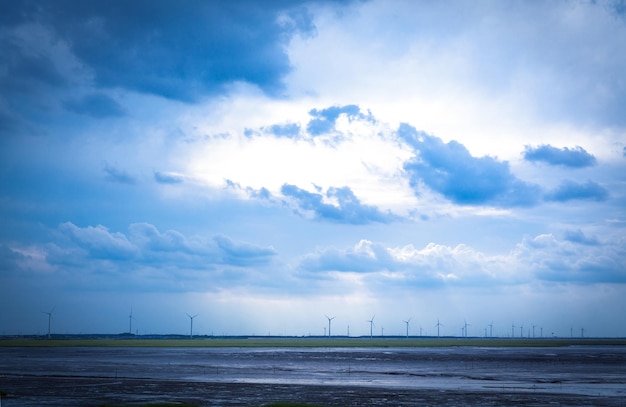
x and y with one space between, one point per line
579 375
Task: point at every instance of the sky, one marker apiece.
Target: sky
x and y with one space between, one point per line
266 166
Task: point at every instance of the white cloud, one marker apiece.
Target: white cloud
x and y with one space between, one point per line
364 155
542 258
510 71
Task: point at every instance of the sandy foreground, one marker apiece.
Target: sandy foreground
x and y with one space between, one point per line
63 391
572 376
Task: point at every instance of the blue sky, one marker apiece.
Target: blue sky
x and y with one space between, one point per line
263 166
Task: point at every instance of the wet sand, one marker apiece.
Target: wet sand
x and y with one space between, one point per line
66 391
580 376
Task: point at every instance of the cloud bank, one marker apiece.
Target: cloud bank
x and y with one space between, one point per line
576 157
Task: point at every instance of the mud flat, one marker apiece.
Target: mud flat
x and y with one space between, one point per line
392 376
60 391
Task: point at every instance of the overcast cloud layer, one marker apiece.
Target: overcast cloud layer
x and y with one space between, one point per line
264 165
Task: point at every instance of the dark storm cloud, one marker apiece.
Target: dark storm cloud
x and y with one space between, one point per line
26 70
323 120
179 52
28 78
449 168
348 210
570 190
97 105
576 157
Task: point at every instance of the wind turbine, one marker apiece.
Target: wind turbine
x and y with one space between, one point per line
512 330
437 326
130 321
465 325
534 330
521 331
407 326
491 329
371 321
49 319
191 322
329 319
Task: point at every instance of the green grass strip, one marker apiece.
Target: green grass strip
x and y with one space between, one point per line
257 342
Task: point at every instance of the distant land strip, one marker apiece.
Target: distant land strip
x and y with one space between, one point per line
304 342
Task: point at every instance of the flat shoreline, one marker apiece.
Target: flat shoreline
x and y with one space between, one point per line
48 390
87 375
307 342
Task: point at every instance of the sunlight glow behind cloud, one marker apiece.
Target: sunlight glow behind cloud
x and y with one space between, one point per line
265 165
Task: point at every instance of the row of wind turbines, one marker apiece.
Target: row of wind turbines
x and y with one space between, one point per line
371 322
130 322
438 325
464 329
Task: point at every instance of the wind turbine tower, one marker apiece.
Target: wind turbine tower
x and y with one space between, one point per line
437 326
371 321
512 330
191 327
329 319
49 320
465 325
130 322
407 326
491 329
